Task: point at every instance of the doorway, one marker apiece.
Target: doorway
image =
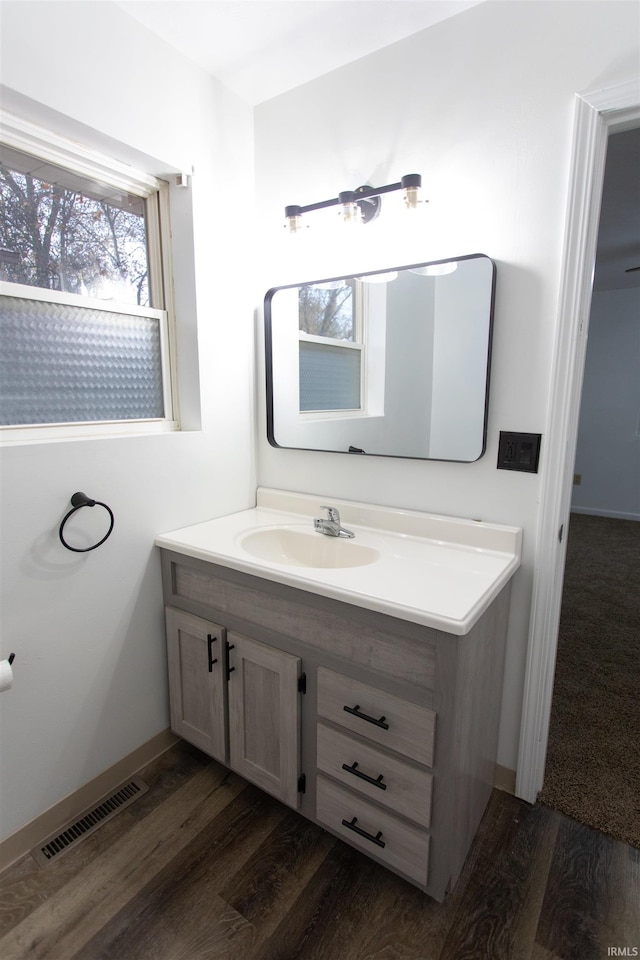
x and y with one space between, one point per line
597 116
593 767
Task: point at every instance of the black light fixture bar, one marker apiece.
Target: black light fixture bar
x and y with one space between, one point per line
367 198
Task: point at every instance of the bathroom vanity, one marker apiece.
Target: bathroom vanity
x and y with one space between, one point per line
359 681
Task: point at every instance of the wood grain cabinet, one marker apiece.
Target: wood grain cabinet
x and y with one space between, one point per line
197 696
264 716
380 730
395 826
236 699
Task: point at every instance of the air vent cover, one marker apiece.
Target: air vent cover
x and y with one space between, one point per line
88 822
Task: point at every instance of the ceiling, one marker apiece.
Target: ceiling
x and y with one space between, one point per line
262 48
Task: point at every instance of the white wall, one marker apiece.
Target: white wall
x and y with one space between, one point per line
482 106
87 630
608 450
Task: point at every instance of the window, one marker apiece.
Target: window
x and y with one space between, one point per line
330 347
84 319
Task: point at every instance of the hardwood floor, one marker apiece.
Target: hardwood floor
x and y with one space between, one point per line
207 867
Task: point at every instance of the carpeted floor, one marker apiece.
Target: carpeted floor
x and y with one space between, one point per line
593 759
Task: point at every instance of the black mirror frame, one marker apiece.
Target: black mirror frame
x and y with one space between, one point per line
268 339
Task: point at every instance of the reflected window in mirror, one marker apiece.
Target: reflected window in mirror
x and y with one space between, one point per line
331 347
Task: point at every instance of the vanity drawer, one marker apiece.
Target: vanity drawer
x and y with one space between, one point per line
394 723
397 785
400 845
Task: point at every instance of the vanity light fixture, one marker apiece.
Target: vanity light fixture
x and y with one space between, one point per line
357 206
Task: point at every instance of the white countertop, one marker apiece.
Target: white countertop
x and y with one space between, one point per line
441 572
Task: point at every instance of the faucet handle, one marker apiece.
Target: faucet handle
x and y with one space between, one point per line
332 513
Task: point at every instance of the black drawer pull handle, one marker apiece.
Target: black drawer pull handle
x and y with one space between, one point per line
210 642
363 716
351 824
363 776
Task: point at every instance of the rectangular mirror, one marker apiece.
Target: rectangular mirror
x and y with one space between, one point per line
391 363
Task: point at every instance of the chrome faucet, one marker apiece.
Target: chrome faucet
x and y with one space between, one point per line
330 525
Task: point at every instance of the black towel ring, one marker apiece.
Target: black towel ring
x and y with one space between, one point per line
79 500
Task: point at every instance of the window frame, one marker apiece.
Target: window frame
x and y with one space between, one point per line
27 137
359 294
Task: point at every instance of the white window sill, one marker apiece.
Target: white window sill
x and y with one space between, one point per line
56 433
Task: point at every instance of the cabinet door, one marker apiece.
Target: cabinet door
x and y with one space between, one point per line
195 650
264 716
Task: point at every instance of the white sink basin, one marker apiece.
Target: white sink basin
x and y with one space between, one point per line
441 572
302 548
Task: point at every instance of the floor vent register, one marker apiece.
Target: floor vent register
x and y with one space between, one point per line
69 836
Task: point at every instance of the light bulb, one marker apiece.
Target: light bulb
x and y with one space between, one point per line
411 197
293 219
349 210
294 224
411 184
351 213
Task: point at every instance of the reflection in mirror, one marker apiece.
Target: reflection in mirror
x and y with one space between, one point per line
391 363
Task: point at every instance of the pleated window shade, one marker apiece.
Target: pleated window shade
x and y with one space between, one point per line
329 377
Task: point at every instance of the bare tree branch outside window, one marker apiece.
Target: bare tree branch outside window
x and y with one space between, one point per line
326 312
60 239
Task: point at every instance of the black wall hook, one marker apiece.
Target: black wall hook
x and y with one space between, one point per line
79 500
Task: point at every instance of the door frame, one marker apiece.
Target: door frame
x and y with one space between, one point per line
597 115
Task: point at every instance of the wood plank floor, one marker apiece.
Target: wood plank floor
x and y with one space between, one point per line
206 867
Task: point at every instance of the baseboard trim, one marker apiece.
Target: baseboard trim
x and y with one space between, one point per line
25 839
611 514
504 779
29 836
